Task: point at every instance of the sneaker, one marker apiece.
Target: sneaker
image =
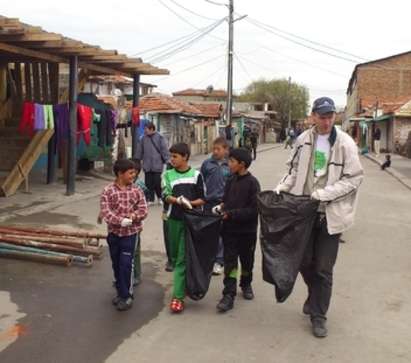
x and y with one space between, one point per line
116 300
124 305
218 269
159 202
318 328
169 267
248 293
176 306
225 304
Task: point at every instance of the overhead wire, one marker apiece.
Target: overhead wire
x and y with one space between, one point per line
183 19
191 11
243 67
177 48
308 40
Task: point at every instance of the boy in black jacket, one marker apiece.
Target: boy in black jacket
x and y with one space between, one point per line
239 210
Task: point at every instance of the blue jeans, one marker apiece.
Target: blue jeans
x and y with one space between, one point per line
122 250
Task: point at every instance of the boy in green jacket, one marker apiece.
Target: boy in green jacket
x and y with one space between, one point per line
183 188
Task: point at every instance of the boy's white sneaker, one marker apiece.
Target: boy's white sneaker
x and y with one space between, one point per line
218 269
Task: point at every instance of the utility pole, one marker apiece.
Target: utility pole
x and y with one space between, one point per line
229 105
289 103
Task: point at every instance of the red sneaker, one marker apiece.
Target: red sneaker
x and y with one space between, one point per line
176 306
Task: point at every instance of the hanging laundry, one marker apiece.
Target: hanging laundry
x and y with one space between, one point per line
26 125
84 119
48 117
61 123
38 117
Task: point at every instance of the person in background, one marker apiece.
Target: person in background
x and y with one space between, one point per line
289 142
324 164
387 162
216 172
183 188
240 221
123 207
254 143
377 141
153 153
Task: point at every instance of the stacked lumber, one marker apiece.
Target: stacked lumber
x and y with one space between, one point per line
50 246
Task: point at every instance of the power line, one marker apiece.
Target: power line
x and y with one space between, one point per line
182 45
303 62
243 67
300 43
308 40
210 76
191 11
182 18
192 55
191 68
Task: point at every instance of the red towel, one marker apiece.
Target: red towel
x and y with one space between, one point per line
84 119
26 125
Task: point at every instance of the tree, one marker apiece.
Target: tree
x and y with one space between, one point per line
280 95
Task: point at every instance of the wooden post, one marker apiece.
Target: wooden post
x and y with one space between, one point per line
136 100
36 82
19 83
72 142
53 72
27 81
45 83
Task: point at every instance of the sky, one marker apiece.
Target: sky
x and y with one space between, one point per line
354 31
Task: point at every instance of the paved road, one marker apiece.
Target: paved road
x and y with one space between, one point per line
65 315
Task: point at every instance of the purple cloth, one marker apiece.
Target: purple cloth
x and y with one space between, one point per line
39 123
61 123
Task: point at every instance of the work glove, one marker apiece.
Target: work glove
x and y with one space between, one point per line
217 210
184 202
126 222
281 188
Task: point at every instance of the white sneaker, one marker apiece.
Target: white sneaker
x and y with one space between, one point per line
218 269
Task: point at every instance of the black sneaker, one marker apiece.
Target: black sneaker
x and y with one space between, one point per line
169 267
225 304
318 328
124 305
116 300
248 293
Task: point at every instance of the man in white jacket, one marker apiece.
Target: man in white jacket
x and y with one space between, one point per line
324 164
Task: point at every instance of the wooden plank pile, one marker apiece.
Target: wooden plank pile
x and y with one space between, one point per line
50 246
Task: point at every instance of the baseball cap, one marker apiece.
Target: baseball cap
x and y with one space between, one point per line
323 105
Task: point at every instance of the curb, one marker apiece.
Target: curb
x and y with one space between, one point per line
397 175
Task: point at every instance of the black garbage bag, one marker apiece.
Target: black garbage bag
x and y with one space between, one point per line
202 236
286 224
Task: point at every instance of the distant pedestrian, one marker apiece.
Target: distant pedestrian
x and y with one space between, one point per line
289 141
240 220
377 141
183 188
216 172
324 164
230 135
254 143
123 208
153 152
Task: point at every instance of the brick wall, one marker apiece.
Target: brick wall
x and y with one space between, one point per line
402 130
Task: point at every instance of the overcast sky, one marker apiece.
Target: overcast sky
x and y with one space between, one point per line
362 28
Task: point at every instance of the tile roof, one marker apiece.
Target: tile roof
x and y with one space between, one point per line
201 93
213 110
388 106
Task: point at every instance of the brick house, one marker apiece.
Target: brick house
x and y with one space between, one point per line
377 95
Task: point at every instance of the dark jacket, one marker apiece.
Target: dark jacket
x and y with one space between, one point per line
240 203
153 152
215 175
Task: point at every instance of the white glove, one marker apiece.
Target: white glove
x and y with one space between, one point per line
281 188
126 222
184 202
315 196
218 210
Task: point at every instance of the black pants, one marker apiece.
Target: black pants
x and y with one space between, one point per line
167 242
153 184
238 246
254 152
317 268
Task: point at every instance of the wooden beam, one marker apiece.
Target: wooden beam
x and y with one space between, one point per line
113 60
31 53
19 82
45 85
28 37
54 44
27 81
36 82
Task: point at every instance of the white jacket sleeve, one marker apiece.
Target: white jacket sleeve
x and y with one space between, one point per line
351 179
288 181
